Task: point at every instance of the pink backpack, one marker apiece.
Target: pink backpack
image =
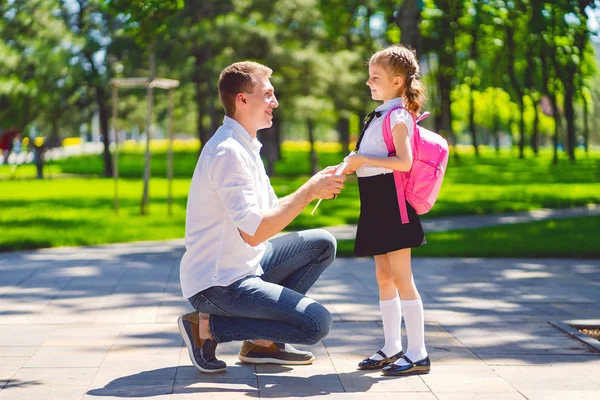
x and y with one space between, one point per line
421 184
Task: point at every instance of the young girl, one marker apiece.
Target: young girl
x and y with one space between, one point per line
393 79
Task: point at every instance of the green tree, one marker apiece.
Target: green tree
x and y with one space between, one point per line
439 37
572 56
92 27
408 19
146 20
38 85
349 43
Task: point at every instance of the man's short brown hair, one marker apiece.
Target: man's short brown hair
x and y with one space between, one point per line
240 77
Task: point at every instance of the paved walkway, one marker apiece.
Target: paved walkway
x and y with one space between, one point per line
56 153
99 323
481 221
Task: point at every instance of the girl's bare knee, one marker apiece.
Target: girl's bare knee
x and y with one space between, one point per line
404 284
384 278
408 292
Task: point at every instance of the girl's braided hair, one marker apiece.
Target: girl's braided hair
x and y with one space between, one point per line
402 61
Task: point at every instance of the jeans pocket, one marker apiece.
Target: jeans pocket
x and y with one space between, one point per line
204 305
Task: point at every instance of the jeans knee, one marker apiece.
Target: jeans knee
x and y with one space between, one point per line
328 243
321 324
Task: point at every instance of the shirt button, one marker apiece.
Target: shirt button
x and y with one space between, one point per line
215 276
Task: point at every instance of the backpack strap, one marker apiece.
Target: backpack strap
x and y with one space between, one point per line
423 116
399 176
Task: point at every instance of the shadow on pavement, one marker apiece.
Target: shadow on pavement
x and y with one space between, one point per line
271 385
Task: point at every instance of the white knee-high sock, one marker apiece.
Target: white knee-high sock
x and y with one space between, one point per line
414 320
391 315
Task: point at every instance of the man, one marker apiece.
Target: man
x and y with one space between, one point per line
7 140
243 285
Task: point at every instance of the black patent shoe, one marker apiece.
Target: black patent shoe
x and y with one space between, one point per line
369 363
413 368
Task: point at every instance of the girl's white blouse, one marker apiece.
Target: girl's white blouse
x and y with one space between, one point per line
373 144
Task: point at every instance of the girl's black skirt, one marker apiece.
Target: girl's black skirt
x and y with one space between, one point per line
380 229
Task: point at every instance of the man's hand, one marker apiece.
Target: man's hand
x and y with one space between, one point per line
325 185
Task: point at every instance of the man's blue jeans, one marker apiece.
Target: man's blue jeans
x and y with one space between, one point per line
273 306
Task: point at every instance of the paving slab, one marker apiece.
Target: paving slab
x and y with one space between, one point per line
100 323
536 377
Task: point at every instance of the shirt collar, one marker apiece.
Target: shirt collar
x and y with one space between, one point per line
242 134
397 101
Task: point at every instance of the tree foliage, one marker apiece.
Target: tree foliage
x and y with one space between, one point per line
492 67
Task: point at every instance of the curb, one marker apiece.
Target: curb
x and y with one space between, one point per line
567 327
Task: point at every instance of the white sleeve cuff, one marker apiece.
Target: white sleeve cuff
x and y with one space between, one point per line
250 222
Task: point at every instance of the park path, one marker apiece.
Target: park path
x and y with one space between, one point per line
481 221
99 322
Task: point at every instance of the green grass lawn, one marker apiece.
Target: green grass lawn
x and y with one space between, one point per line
574 237
71 212
74 206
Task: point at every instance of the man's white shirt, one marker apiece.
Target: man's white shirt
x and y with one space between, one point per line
230 190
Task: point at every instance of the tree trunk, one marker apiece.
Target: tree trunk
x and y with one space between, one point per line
522 129
207 7
530 90
343 128
103 116
510 134
586 124
314 162
54 138
581 39
473 72
268 138
557 122
545 55
408 19
212 95
38 159
197 13
446 111
497 132
203 99
434 98
278 137
202 133
570 116
516 85
552 56
495 125
472 122
496 83
535 137
144 207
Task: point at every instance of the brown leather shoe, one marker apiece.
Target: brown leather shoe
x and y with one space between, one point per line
201 351
276 353
369 363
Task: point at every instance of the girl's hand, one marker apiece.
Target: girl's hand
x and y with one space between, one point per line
355 161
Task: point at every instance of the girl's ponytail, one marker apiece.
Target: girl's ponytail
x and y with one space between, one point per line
414 95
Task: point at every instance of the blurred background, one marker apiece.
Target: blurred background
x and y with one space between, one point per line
512 85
